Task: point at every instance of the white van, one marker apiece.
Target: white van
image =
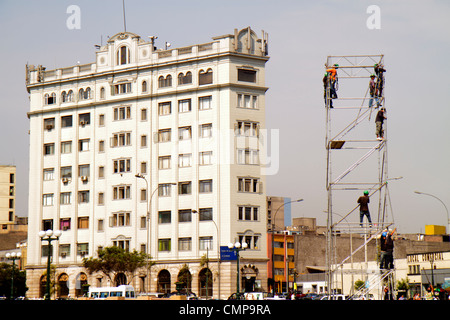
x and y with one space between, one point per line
106 292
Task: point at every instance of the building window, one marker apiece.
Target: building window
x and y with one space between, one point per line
205 77
83 222
83 249
67 97
248 156
184 133
185 215
100 225
184 160
246 75
205 130
184 78
84 171
247 101
101 120
144 86
164 135
47 224
253 243
122 165
66 147
49 174
120 219
121 88
143 114
47 200
121 192
164 162
121 139
205 243
101 146
143 167
49 149
205 214
84 94
83 145
185 187
64 249
83 196
50 98
65 198
102 93
248 213
205 103
205 158
49 123
165 82
143 141
164 217
184 105
164 245
247 128
66 172
205 186
84 119
164 108
122 113
164 190
66 121
123 55
184 244
249 185
101 172
143 194
101 198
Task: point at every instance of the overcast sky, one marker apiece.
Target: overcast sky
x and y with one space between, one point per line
414 36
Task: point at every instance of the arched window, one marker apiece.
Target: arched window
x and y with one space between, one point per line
81 94
63 96
70 96
50 99
102 93
87 93
185 79
164 281
205 283
123 55
205 77
144 86
165 82
161 82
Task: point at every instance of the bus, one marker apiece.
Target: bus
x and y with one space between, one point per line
106 292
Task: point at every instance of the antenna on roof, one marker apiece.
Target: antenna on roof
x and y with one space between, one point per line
124 20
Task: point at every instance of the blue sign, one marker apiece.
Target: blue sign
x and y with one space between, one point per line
226 254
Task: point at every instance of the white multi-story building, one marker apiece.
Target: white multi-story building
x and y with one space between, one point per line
189 122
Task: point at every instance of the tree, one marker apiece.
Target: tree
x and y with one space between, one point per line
359 284
113 261
5 281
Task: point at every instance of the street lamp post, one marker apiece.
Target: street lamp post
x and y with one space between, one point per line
273 242
237 247
49 236
149 206
446 209
13 256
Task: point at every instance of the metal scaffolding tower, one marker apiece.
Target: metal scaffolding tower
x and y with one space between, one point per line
357 160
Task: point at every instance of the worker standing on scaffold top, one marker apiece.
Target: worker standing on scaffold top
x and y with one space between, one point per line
364 208
379 120
332 74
